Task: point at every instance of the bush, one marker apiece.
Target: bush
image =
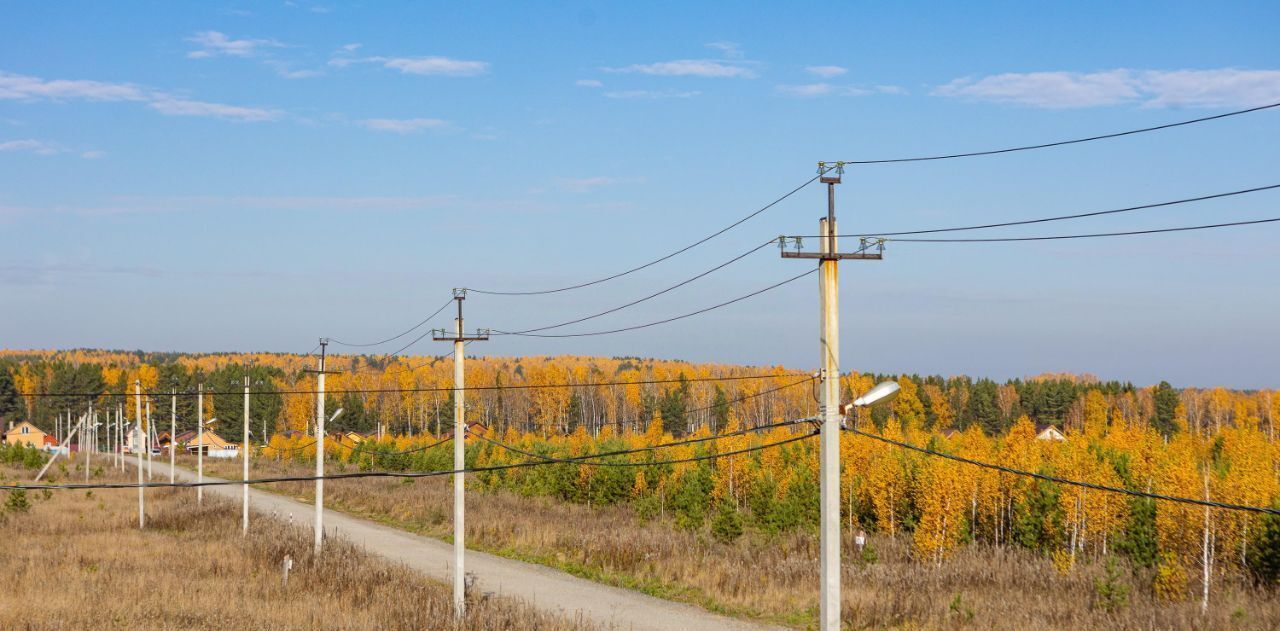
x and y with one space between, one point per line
1170 582
1264 558
1111 593
726 527
17 502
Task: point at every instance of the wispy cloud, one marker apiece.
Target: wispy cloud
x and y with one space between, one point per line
28 145
430 65
403 125
218 44
826 72
710 68
731 50
44 148
589 83
187 107
122 205
1225 87
26 88
588 184
651 94
814 90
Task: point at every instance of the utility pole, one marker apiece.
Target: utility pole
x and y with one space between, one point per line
459 340
147 446
244 455
829 346
199 442
173 430
137 434
320 373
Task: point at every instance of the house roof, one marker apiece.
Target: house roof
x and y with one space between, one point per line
17 428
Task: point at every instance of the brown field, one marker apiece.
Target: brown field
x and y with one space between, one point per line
76 560
775 578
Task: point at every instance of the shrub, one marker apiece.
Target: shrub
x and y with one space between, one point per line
726 527
1170 582
1111 593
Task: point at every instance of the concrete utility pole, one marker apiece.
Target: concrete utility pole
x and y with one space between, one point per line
148 444
829 346
320 373
137 434
199 442
459 340
173 430
119 450
244 456
64 444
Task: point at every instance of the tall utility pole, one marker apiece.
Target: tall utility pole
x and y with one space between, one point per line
199 442
829 346
148 437
244 455
173 430
459 340
320 373
137 434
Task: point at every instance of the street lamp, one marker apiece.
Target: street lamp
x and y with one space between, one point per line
883 392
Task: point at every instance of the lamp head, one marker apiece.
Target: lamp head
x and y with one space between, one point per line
884 391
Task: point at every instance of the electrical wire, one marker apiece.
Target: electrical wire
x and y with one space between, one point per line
366 474
396 337
666 320
1091 235
1065 142
588 459
1067 481
1059 217
652 295
519 386
660 259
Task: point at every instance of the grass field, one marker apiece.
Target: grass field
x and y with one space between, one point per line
775 578
76 560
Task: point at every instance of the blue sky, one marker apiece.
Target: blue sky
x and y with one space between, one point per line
250 176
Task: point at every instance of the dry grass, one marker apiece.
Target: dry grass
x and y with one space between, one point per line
76 560
775 578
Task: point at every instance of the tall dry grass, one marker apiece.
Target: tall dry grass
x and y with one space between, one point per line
776 578
76 560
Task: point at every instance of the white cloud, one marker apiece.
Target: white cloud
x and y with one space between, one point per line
435 65
826 72
93 154
588 184
1047 89
25 88
29 145
21 87
286 70
732 50
402 125
813 90
217 44
710 68
651 94
1225 87
589 83
187 107
351 48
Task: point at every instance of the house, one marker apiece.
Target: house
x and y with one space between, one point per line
24 433
291 434
474 428
1049 432
950 433
350 439
214 446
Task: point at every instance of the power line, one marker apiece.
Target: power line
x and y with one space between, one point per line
519 386
657 260
370 474
1067 481
1065 142
1063 217
396 337
587 460
652 295
1091 235
666 320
